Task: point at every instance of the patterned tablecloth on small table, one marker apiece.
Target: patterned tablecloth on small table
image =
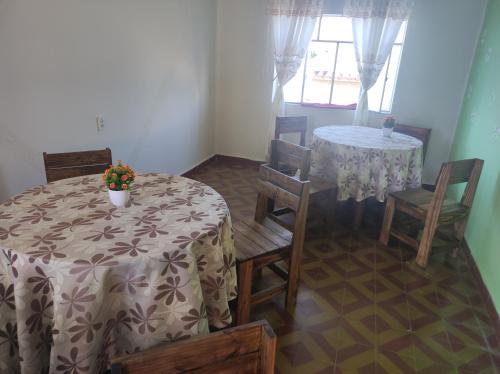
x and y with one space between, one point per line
363 163
82 281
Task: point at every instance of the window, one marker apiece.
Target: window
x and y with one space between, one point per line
329 75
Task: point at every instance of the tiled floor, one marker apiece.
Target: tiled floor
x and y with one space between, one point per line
363 308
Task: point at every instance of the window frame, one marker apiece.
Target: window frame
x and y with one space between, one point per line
353 106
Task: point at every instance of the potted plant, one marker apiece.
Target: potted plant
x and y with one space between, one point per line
118 179
388 126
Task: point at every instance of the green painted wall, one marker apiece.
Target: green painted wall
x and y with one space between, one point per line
478 136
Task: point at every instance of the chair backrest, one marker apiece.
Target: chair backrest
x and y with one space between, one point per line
421 133
73 164
249 348
462 171
288 157
282 190
291 125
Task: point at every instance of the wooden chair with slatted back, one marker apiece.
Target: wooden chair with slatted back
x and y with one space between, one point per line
287 157
74 164
263 242
421 133
249 348
433 209
291 125
290 158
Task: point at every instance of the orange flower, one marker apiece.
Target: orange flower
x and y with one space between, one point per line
124 177
124 186
114 175
112 185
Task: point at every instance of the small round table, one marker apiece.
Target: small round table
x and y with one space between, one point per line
364 163
82 281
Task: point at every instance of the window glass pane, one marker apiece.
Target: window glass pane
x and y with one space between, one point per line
319 69
293 89
401 35
346 85
375 93
313 82
336 28
391 78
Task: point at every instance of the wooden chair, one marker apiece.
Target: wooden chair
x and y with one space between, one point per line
73 164
291 125
290 158
421 133
433 209
263 242
244 349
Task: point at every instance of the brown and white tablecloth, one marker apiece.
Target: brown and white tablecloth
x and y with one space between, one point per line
82 281
363 163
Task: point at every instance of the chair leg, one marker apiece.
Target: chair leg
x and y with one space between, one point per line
331 203
385 232
245 270
359 212
425 245
459 234
293 281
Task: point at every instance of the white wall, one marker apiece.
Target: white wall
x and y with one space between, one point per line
436 60
244 78
147 66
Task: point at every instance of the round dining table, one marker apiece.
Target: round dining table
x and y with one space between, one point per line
364 163
82 281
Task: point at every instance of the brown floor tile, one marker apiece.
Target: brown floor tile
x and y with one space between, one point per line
397 341
363 307
465 336
355 358
306 352
392 363
432 347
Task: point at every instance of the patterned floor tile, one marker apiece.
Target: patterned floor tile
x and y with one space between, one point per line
355 358
432 347
465 336
396 341
304 352
363 307
389 362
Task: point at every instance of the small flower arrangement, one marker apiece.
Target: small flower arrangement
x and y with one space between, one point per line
388 126
389 122
119 177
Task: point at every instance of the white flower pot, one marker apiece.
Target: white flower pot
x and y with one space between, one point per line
387 131
119 198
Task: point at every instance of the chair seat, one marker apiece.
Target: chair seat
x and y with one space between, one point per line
420 199
253 239
417 197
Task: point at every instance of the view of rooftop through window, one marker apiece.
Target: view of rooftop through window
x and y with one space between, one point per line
328 74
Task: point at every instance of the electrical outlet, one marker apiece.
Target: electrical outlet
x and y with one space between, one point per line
99 123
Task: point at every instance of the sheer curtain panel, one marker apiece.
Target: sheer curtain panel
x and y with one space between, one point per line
293 24
375 25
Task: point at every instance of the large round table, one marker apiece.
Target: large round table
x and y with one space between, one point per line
82 281
363 163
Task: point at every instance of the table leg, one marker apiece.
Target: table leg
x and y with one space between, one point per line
359 211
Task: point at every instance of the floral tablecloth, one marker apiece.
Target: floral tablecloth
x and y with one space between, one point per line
363 163
82 281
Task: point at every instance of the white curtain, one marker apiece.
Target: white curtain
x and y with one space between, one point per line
375 25
293 24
